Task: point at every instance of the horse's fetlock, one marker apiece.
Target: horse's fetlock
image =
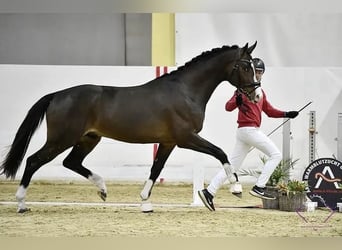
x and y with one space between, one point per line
98 181
21 193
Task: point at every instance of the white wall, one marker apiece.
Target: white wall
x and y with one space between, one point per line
299 39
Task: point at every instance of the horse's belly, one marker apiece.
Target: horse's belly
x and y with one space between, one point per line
137 134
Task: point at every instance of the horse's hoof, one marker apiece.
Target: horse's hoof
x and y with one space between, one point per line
102 194
146 207
23 210
239 195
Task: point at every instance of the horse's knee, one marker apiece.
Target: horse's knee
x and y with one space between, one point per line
72 164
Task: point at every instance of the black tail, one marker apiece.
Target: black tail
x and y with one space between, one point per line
34 117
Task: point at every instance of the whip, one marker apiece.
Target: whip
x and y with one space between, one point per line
288 119
283 123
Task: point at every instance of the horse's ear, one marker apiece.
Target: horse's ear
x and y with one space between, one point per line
245 48
250 49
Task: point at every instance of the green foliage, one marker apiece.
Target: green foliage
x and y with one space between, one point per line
292 186
281 172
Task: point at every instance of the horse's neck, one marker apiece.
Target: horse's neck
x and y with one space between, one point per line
201 83
203 78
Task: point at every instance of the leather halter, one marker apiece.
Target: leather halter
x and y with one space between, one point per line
256 84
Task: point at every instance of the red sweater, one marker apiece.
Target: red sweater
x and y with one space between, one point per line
250 113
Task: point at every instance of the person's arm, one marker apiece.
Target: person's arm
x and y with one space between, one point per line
276 113
269 110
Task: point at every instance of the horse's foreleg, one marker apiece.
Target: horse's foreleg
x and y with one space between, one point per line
163 153
197 143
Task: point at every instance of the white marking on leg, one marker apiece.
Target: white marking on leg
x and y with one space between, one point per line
145 193
20 196
229 170
98 181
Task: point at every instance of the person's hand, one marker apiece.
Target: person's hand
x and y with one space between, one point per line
238 100
291 114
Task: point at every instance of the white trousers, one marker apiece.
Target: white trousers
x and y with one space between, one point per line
246 138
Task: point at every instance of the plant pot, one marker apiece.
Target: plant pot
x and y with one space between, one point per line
271 204
292 201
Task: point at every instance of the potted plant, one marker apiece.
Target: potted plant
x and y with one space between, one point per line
279 175
292 195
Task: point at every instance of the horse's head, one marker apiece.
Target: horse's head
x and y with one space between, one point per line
242 75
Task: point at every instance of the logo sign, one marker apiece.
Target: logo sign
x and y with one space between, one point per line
324 178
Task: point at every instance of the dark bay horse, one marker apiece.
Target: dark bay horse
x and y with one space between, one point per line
168 110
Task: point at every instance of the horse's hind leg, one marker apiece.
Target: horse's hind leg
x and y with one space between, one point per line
163 153
74 162
46 154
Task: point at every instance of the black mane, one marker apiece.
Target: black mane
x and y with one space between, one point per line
203 56
208 54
